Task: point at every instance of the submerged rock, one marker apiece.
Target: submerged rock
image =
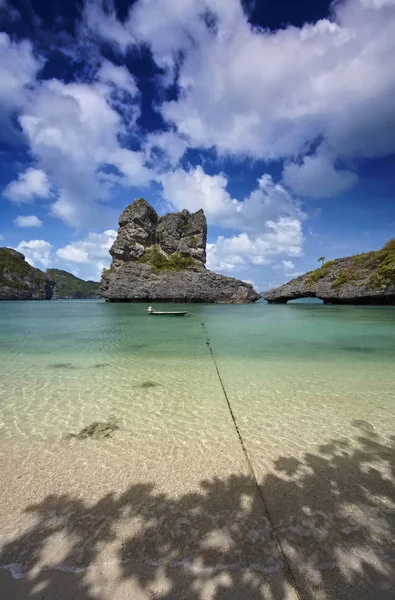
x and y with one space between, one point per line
163 259
148 384
96 430
367 278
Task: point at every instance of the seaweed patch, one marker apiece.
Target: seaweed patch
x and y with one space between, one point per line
96 430
63 365
148 384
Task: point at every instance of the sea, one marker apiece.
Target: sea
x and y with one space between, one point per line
279 417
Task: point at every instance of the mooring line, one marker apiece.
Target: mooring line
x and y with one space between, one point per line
251 468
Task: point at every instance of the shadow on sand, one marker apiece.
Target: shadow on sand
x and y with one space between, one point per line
332 512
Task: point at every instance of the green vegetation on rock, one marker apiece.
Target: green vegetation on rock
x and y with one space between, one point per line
193 241
378 266
16 273
160 262
314 276
69 286
367 278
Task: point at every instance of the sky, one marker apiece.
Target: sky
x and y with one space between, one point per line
276 117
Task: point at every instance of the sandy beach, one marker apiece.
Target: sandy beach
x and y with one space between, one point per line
295 503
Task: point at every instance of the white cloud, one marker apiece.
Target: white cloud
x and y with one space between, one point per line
165 147
86 257
241 93
288 265
105 24
71 253
317 177
18 68
92 251
195 189
284 236
73 131
38 253
31 184
118 76
377 3
27 221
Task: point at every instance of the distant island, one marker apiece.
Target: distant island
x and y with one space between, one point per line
21 281
163 259
70 286
367 278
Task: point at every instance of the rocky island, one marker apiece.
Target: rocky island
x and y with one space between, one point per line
19 280
68 286
367 278
163 258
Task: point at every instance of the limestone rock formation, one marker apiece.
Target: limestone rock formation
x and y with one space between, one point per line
163 258
19 280
367 278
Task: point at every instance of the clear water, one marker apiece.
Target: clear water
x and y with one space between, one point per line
297 378
67 363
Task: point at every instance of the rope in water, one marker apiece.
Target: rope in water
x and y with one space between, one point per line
250 467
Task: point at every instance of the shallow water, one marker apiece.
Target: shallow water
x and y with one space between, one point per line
293 373
301 380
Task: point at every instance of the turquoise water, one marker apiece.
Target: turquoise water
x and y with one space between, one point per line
297 377
65 363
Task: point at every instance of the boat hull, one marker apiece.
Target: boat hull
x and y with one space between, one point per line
168 314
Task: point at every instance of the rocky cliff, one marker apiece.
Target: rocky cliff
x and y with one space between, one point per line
20 281
163 258
367 278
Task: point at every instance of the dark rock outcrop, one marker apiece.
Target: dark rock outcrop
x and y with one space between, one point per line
363 279
19 280
163 259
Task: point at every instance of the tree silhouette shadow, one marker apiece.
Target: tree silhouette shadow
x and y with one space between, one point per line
329 530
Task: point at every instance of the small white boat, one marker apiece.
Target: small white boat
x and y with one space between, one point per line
174 313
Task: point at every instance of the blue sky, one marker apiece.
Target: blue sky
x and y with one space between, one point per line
277 117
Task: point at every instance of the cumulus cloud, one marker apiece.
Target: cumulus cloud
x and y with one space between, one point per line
86 257
269 220
27 221
92 251
30 184
71 253
165 148
105 24
288 265
18 69
195 189
118 76
317 177
38 253
240 92
282 237
73 132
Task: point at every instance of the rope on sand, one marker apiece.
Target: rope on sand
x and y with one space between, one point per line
250 466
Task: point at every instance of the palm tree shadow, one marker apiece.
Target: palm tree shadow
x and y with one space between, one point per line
329 531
